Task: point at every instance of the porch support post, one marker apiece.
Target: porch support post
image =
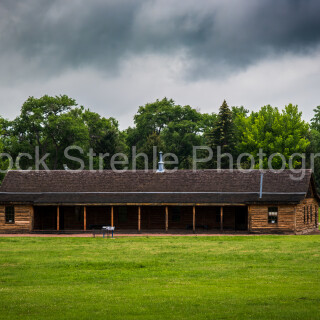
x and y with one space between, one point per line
194 219
84 218
32 218
249 218
167 219
139 219
111 216
221 218
58 218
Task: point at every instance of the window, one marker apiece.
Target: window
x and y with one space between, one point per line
304 216
307 214
273 215
218 217
123 216
311 214
176 214
10 214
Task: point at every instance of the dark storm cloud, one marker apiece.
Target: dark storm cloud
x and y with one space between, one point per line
215 36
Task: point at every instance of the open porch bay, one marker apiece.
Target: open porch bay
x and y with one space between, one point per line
141 218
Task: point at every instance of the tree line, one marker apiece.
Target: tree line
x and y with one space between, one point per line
51 124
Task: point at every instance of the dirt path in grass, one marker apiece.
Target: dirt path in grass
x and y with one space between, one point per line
90 235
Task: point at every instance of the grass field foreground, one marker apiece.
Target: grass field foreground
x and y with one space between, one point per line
254 277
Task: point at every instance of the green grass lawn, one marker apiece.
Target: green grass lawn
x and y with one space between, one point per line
256 277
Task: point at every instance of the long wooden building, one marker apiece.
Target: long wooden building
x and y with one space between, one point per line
205 200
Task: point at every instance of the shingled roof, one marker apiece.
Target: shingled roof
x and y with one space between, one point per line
183 186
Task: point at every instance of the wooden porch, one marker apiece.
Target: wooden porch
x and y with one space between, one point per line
141 218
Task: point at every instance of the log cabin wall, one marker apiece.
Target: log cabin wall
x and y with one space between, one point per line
23 219
258 219
307 216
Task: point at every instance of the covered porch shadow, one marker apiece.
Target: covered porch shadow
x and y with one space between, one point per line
135 218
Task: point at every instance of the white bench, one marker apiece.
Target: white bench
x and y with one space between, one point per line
108 229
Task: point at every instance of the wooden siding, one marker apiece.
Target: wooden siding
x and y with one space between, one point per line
23 220
307 216
258 219
291 218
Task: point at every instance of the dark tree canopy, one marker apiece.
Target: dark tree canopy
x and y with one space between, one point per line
222 135
52 123
169 127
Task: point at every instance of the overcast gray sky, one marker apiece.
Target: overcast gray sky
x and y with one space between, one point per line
114 55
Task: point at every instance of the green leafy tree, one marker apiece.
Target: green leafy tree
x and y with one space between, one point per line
169 127
54 123
104 136
30 129
274 132
4 163
63 131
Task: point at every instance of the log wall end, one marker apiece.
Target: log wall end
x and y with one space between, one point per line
23 219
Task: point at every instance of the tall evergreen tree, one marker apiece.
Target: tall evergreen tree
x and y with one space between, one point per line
222 136
314 147
315 121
